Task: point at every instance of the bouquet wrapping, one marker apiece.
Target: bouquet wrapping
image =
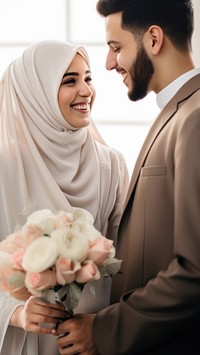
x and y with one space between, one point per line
54 255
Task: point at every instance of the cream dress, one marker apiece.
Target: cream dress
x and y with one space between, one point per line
46 163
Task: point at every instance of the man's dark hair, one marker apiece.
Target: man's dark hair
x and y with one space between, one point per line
175 17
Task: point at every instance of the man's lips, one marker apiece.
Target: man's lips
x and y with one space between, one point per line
125 78
123 73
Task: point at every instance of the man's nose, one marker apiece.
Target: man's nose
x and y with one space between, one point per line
111 62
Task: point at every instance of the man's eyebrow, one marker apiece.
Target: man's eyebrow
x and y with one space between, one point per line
112 42
73 73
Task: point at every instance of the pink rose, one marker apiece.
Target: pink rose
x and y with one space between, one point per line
65 270
16 259
12 243
20 239
100 250
31 232
63 219
88 272
36 281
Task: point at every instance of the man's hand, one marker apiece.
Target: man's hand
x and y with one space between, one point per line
75 336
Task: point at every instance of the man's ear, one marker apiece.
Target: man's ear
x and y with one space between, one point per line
155 39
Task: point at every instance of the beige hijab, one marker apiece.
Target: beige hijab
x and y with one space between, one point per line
44 162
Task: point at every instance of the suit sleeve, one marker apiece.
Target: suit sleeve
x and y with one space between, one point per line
167 304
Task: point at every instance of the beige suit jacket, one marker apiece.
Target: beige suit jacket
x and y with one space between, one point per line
158 291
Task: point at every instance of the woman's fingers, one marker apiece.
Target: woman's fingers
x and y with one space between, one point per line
38 316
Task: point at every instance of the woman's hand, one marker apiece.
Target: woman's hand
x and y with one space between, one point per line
36 313
75 335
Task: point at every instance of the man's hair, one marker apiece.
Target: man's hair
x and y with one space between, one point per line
175 17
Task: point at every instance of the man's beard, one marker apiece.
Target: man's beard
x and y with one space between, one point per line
141 74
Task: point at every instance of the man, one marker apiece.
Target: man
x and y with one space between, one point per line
156 299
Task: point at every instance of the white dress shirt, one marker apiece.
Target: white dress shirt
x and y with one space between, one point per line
165 95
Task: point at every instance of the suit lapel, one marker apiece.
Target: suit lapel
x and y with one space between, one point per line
187 90
155 129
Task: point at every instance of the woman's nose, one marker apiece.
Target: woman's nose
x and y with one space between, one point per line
85 90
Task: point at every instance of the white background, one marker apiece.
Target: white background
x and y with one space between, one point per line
122 123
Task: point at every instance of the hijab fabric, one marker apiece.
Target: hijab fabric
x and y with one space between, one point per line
45 162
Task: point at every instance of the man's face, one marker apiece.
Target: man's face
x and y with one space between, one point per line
141 73
128 57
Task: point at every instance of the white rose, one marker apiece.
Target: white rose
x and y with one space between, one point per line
80 213
70 243
86 229
47 226
39 216
40 255
83 222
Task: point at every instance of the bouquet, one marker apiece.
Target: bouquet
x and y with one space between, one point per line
54 255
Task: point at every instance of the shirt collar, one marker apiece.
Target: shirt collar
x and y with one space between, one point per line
165 95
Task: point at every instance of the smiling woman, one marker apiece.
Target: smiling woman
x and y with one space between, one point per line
53 157
61 23
76 93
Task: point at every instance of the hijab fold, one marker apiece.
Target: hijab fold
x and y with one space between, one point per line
45 162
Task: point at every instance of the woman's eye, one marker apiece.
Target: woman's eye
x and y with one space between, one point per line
69 81
88 80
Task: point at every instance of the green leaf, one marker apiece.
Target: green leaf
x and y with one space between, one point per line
62 292
72 296
111 267
16 280
49 296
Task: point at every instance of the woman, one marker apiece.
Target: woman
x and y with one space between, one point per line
52 156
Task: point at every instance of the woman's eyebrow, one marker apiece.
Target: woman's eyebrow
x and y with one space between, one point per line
73 73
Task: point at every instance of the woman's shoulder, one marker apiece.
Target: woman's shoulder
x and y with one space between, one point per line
111 153
117 155
115 159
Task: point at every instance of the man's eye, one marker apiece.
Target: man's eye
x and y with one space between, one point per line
116 50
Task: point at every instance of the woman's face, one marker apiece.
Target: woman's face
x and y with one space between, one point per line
76 93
